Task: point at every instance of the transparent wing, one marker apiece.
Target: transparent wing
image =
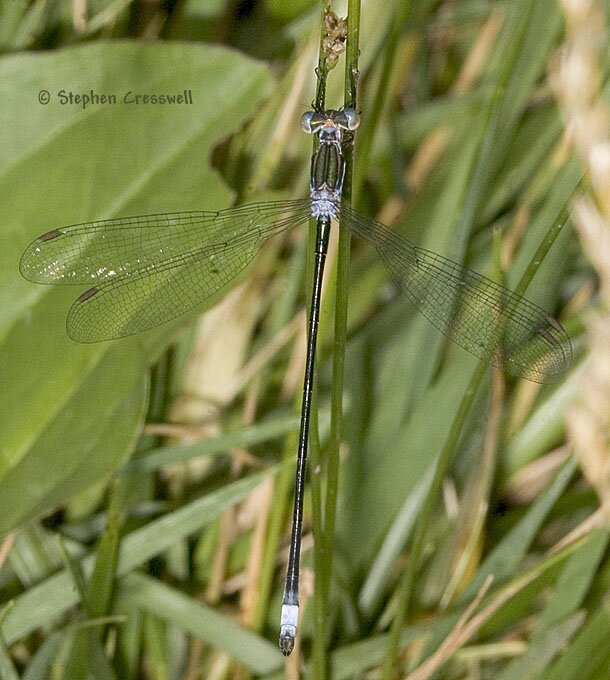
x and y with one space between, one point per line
484 318
95 252
153 268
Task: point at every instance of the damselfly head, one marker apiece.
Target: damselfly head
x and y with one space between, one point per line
344 119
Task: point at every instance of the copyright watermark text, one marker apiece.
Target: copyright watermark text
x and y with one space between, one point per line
93 98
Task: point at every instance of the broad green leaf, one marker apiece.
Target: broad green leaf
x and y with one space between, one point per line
69 414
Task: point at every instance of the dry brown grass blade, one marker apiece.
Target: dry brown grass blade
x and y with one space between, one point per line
577 81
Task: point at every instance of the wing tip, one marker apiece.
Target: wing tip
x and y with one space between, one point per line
28 260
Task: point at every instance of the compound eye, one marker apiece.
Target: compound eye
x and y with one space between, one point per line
306 120
352 118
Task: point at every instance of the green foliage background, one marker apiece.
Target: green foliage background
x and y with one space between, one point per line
122 594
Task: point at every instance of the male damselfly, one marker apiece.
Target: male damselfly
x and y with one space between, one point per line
149 269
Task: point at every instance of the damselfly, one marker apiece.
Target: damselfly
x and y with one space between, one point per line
149 269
